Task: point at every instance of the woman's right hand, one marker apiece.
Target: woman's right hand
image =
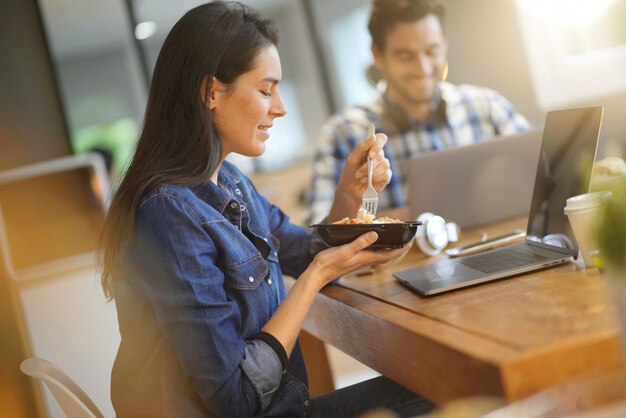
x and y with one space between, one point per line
353 179
338 261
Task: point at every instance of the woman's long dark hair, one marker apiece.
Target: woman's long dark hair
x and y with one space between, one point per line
178 143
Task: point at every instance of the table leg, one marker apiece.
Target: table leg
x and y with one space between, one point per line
317 365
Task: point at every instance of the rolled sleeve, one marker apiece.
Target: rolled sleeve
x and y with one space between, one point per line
264 365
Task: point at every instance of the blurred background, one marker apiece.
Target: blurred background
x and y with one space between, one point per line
542 55
74 76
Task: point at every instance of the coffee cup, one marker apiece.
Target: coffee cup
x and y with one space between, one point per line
583 212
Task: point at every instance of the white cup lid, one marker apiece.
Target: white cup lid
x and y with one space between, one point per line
587 201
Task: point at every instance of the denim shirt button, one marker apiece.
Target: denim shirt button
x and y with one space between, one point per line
269 281
242 207
307 403
251 279
233 205
237 191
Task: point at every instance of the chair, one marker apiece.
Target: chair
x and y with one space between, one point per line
72 399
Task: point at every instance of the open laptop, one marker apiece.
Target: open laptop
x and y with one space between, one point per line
568 149
476 184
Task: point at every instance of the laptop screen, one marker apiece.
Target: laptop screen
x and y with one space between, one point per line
568 150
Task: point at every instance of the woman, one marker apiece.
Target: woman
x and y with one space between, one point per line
194 256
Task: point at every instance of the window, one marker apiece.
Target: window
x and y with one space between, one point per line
99 75
104 66
576 49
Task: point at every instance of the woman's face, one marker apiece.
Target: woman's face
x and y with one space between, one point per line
244 111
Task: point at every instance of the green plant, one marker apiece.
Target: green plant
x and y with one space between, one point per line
610 233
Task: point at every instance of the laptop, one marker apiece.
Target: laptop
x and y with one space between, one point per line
568 148
465 184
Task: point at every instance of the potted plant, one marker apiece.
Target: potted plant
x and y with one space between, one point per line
611 231
610 236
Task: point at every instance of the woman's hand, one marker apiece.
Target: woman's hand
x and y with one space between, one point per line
338 261
327 265
353 179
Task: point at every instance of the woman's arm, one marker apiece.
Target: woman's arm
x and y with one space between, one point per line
327 265
331 263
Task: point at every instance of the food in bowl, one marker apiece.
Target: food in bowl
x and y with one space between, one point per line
364 217
356 221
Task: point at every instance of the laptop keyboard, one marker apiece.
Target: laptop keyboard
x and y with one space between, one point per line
503 260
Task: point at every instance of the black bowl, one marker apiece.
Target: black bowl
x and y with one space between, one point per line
391 235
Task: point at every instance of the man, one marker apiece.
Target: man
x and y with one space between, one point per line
413 105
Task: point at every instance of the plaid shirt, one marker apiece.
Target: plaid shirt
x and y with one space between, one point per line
465 114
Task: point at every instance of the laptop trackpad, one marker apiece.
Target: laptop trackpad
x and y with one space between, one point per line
444 274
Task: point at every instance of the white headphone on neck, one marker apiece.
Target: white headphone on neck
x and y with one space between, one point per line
435 233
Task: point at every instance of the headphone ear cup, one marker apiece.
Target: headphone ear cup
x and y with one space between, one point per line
432 237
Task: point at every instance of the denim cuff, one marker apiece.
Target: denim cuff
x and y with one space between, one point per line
264 369
278 348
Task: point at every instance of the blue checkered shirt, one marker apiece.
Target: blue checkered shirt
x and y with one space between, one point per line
464 115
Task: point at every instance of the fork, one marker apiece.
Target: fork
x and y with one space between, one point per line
370 197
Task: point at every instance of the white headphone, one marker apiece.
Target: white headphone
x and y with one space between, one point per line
435 233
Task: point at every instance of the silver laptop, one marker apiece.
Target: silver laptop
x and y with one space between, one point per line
476 184
570 139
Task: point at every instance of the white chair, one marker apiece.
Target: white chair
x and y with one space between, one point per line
72 399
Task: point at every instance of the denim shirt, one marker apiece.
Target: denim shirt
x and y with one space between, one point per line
202 276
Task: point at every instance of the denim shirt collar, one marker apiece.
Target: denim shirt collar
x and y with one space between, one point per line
222 195
219 196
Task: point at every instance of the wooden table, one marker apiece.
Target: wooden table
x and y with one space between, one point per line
508 338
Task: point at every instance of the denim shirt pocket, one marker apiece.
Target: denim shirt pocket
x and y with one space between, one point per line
247 274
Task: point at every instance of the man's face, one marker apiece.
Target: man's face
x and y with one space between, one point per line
413 61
